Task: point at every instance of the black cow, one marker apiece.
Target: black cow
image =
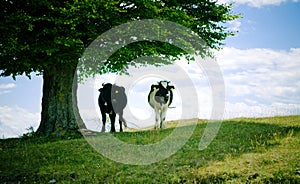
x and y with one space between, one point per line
112 100
160 98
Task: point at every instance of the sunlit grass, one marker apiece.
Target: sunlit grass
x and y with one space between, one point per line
278 164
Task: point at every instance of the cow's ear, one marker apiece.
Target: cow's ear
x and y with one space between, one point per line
153 87
100 90
171 87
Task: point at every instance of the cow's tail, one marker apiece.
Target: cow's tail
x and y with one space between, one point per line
123 120
125 123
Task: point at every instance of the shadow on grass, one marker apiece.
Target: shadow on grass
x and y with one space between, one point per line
74 160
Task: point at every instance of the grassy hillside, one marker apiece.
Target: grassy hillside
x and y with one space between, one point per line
261 150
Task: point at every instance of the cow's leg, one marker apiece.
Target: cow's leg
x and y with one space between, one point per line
163 118
156 118
103 120
121 119
112 117
120 122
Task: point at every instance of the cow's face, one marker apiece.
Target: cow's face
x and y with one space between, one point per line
162 95
164 92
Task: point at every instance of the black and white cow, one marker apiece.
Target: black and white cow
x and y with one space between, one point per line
160 98
112 100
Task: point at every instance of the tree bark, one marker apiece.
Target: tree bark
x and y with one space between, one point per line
60 113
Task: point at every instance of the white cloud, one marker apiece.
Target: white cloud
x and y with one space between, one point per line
15 120
6 88
260 79
257 3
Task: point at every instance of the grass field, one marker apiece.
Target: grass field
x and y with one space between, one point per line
260 150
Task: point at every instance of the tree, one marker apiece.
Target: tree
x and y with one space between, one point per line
49 37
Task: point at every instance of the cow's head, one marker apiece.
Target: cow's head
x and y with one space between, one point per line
164 92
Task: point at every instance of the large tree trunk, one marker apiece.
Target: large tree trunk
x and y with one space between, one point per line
59 103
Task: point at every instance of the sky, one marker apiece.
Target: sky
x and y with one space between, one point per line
260 67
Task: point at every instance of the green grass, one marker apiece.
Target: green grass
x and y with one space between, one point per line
260 150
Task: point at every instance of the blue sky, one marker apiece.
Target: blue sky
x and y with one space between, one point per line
260 67
267 26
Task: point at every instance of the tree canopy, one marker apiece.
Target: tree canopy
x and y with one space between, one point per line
39 33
